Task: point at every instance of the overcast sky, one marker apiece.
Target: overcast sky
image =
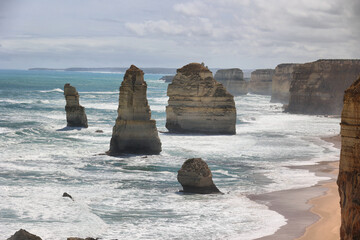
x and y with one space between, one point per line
247 34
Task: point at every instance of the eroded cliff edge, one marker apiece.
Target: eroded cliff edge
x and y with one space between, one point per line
281 82
233 81
198 103
134 130
261 81
318 87
75 113
349 170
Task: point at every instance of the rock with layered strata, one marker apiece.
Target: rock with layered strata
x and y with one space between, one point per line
349 170
195 177
134 130
23 235
198 103
261 81
281 82
318 87
233 81
75 113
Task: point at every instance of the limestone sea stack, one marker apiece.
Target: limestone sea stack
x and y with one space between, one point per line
281 83
261 81
75 113
233 81
198 103
349 170
134 130
318 87
195 177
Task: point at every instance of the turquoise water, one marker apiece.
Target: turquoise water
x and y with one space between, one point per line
134 197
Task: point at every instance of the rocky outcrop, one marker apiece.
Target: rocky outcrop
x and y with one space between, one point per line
318 87
75 113
198 103
349 170
134 130
233 81
261 81
281 82
23 235
195 177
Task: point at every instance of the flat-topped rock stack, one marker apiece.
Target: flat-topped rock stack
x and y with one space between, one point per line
261 81
134 130
281 82
233 81
75 113
349 170
318 87
198 103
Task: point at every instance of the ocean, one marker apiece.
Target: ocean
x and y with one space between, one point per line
137 197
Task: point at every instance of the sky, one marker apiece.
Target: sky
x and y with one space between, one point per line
247 34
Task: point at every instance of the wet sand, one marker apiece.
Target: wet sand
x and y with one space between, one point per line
311 213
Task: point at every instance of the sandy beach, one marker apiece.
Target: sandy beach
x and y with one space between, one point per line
311 213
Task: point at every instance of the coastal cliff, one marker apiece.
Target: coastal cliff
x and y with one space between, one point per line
318 87
75 113
233 81
261 81
349 171
281 81
198 103
134 130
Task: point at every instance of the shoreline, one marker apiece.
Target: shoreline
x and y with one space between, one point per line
311 212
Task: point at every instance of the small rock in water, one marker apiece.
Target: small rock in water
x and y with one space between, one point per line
195 177
99 131
67 195
24 235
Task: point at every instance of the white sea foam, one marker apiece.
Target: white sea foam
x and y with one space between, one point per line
52 90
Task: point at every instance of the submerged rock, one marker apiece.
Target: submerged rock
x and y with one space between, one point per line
23 235
76 238
195 177
167 78
233 81
198 103
281 82
134 130
261 81
75 113
318 87
349 170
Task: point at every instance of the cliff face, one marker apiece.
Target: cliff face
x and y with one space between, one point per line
233 81
198 103
134 130
75 113
318 87
281 82
261 81
349 171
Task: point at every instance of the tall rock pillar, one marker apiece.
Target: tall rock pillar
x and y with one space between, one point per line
134 130
75 113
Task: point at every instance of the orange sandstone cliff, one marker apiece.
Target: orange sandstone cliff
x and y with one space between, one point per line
349 171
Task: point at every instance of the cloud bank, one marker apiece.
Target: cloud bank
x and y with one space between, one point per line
170 33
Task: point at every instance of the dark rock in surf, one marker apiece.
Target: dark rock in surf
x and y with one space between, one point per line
196 177
65 194
23 235
75 113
